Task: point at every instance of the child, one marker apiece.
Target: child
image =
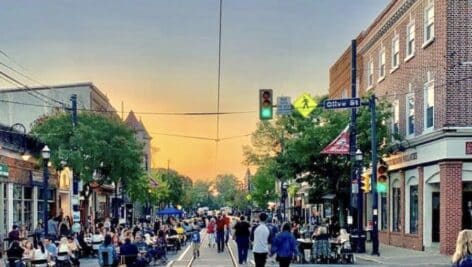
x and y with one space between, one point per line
196 240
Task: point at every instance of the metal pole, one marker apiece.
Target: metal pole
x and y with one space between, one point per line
375 219
45 196
355 173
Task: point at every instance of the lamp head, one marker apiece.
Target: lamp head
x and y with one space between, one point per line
46 152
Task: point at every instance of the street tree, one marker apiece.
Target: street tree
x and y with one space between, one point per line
100 149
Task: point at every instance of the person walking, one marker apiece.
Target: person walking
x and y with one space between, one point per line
220 233
285 246
241 235
211 233
196 241
462 257
261 241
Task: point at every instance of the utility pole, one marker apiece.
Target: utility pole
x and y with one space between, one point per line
75 178
375 219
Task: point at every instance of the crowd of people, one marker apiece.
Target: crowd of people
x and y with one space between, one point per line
111 244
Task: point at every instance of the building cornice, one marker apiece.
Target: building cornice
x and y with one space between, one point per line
386 26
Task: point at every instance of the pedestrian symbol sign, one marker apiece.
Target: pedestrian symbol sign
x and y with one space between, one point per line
305 104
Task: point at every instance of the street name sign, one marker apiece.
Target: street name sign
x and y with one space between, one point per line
305 104
342 103
284 105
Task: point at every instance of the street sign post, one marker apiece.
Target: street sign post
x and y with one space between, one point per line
342 103
284 105
305 104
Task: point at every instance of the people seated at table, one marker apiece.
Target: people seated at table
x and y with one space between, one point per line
15 254
97 239
63 253
14 234
28 250
107 250
139 243
343 236
23 233
50 247
129 251
40 254
74 247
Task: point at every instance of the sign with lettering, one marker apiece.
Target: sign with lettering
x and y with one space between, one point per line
342 103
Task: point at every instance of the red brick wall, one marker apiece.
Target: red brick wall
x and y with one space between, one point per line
450 204
459 47
340 75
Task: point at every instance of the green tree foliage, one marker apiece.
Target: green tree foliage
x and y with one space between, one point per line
100 145
227 185
292 145
263 185
179 186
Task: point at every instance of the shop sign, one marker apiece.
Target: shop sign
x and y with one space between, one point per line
468 148
3 170
37 176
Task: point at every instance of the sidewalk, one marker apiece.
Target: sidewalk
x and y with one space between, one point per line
395 256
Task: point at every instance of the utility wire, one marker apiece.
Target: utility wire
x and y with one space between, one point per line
33 80
219 87
30 91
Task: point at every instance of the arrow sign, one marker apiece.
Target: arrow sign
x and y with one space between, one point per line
342 103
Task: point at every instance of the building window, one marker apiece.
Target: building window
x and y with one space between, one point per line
410 40
382 63
413 209
429 23
396 198
383 210
410 114
370 74
429 102
395 52
396 118
51 200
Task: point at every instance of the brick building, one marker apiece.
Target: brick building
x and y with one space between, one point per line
417 54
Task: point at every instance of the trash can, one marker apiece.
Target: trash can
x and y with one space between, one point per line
358 241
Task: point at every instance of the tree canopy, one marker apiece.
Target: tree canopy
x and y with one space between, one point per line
99 147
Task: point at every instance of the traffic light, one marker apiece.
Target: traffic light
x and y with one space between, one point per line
365 180
265 104
382 178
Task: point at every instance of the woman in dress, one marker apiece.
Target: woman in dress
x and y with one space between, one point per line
28 250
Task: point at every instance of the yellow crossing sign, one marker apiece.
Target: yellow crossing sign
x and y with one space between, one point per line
305 104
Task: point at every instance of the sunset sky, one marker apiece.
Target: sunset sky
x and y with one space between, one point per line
162 56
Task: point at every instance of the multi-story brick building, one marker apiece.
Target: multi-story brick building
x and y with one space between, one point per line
417 54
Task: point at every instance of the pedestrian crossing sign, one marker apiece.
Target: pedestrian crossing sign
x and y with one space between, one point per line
305 104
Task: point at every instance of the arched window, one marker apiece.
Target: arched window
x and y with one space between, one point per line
412 187
396 198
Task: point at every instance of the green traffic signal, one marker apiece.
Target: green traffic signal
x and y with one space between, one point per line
381 188
265 104
266 113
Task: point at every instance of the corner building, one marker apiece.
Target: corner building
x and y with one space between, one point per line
417 54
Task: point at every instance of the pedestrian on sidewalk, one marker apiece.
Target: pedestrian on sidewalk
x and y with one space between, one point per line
211 233
241 235
463 255
285 246
220 233
261 241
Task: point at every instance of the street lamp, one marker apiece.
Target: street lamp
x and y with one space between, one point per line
45 154
359 157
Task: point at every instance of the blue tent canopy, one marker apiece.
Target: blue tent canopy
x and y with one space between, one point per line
169 211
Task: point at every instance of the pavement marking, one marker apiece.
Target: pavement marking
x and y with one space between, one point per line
233 259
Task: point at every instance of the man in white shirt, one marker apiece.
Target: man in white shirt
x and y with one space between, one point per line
261 241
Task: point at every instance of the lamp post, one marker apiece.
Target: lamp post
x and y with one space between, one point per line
45 154
283 199
359 157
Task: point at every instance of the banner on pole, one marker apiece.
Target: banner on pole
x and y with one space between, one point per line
340 145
